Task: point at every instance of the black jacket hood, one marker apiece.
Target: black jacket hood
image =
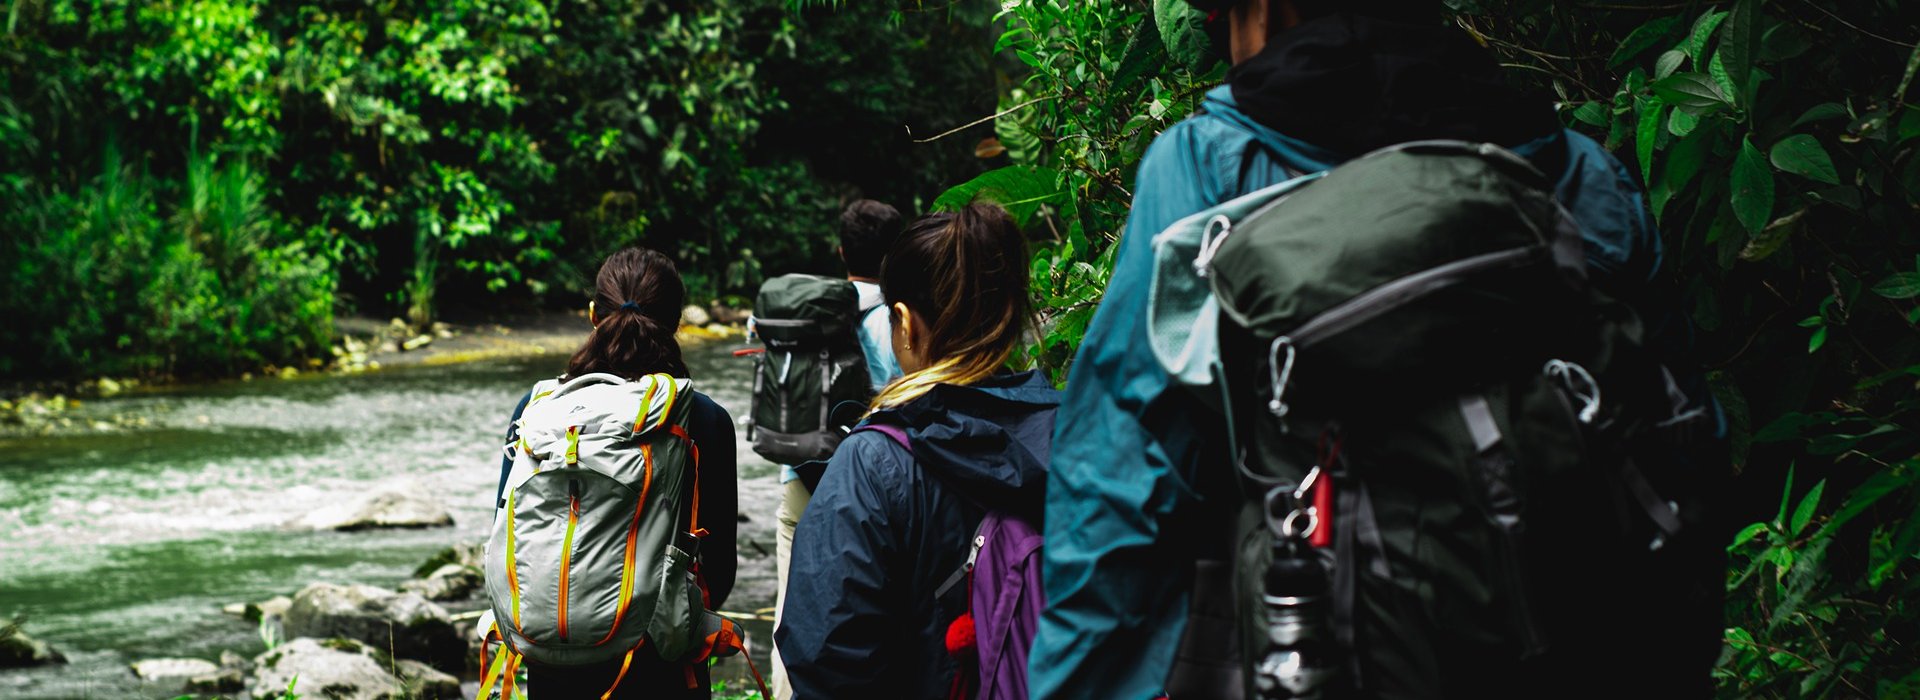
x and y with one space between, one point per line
1353 84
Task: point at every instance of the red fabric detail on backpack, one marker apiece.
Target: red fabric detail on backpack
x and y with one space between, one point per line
961 639
1329 458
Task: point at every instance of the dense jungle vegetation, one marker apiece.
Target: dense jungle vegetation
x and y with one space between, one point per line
199 186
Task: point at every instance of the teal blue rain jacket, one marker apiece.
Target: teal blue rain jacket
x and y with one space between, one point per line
1126 441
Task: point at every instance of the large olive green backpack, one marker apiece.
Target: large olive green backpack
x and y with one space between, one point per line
1512 505
813 363
595 549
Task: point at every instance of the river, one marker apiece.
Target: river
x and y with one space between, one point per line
123 545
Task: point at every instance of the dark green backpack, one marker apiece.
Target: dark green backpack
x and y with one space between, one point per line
1513 500
812 364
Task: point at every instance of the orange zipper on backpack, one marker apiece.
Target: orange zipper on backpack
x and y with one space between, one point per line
633 535
566 551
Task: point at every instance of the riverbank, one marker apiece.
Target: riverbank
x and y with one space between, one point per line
362 344
125 544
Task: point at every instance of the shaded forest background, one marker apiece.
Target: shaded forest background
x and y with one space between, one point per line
200 187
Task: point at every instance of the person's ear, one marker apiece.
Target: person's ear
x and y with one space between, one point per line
592 317
906 320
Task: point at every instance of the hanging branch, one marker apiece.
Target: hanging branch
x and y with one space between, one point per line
982 120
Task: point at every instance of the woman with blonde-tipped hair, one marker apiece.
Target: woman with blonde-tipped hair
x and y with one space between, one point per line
892 519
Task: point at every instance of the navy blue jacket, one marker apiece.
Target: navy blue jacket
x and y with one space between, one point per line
885 528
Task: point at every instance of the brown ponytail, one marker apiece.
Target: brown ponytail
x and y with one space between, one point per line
965 275
637 299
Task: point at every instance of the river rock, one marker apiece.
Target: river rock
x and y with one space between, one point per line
229 680
468 554
172 670
729 315
385 509
338 669
423 681
271 608
695 316
406 624
18 650
449 582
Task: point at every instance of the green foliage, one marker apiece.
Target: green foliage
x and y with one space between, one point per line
118 277
1100 81
414 156
1777 148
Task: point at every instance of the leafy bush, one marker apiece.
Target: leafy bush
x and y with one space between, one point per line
107 283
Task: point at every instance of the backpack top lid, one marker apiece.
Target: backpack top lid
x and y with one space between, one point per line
573 420
798 310
1384 218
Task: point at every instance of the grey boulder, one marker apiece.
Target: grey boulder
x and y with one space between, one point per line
17 650
403 624
338 669
162 671
379 510
449 582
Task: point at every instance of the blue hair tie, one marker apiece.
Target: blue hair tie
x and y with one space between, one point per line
629 306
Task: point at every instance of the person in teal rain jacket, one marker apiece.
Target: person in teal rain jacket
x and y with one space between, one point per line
1310 88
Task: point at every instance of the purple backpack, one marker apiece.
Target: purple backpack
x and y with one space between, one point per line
1002 573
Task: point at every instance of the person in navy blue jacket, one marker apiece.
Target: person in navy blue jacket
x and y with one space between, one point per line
887 526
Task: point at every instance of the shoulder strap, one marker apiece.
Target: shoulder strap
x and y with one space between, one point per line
894 432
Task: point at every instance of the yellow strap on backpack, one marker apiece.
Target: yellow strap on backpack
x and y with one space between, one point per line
503 666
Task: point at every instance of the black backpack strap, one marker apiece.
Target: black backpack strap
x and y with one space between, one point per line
1494 465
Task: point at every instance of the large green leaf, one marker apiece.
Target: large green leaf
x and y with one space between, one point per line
1020 189
1668 63
1803 513
1644 37
1183 32
1904 285
1648 111
1738 41
1696 44
1682 122
1146 53
1752 195
1821 112
1877 487
1802 154
1694 90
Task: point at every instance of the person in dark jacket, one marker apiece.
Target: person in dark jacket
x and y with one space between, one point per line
635 311
886 525
1314 84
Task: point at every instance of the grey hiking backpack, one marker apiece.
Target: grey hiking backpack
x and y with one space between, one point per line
813 363
1458 472
594 551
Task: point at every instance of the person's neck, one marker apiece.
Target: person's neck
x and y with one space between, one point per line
858 278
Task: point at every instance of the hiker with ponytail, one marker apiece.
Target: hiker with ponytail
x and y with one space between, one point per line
680 437
873 593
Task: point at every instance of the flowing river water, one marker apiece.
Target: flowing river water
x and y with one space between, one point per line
123 545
